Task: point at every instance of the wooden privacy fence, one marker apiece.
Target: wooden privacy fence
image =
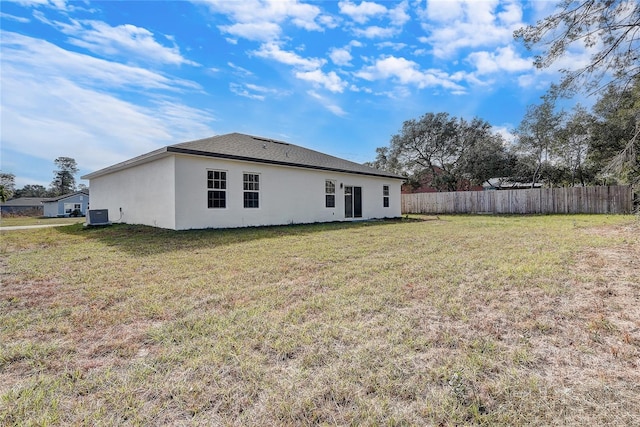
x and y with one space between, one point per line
597 200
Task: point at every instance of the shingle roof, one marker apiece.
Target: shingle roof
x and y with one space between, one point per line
64 196
239 146
25 202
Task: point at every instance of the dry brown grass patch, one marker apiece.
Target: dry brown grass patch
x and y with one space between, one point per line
451 321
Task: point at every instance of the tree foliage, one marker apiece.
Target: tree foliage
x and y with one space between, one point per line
616 140
451 152
609 28
571 151
7 186
30 190
552 148
64 180
536 138
385 161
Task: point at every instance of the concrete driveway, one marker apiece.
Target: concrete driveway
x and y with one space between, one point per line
26 227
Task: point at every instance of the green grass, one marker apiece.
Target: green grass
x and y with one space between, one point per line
11 221
456 320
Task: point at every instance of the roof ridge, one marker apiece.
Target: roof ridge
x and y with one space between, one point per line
253 148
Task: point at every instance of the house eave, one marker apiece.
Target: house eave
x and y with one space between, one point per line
169 150
276 162
145 158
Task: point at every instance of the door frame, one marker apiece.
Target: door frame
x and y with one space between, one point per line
352 201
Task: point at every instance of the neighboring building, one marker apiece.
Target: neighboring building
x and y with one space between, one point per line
505 184
238 180
66 204
424 185
26 206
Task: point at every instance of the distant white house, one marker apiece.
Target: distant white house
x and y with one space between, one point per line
67 205
238 180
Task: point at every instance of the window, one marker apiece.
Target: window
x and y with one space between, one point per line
70 207
330 194
385 196
251 182
216 189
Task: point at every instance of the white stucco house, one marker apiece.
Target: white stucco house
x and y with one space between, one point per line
238 180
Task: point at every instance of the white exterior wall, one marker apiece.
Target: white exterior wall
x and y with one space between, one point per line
55 209
146 194
288 195
50 209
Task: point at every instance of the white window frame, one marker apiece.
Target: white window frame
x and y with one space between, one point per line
74 206
386 192
251 186
218 185
328 193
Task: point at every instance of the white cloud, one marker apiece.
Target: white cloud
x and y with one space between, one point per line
399 15
121 41
243 91
261 20
14 18
273 51
258 31
574 58
407 72
503 59
330 81
512 14
375 32
327 21
56 4
48 59
363 12
391 45
262 89
340 57
506 132
55 101
253 91
307 69
336 109
354 88
326 103
239 70
457 24
61 117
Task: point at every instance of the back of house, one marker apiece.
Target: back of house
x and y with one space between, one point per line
239 180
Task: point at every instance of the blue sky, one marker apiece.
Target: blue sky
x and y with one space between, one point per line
106 81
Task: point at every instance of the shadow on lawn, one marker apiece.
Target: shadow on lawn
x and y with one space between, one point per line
141 240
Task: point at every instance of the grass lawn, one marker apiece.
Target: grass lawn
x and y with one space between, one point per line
451 320
12 221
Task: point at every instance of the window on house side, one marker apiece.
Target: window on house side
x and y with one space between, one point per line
330 194
216 189
251 183
70 207
385 196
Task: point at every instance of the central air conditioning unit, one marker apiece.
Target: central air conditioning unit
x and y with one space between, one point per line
98 217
